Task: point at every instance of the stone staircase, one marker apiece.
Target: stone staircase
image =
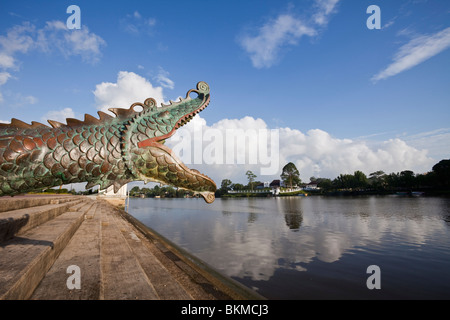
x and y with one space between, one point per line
43 238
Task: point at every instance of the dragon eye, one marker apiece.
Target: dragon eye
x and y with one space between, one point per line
165 114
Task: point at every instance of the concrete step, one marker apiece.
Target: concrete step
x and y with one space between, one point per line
16 222
83 251
25 259
20 202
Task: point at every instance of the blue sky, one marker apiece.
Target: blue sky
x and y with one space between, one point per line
311 68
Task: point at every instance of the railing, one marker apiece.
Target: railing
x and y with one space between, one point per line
250 191
273 191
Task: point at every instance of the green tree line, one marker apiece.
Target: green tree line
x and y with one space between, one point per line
160 191
378 182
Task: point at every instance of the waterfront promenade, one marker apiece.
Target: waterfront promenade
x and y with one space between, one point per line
81 248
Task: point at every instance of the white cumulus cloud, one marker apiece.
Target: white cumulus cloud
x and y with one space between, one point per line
59 115
128 89
315 153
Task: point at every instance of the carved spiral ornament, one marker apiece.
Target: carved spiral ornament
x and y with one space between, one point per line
150 102
209 197
203 86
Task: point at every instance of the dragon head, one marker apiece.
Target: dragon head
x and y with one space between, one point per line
143 142
157 124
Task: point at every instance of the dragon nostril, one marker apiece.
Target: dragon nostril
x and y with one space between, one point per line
193 95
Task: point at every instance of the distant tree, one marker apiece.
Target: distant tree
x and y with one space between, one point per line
324 183
225 185
407 179
167 192
181 193
237 186
442 171
393 180
377 174
426 180
147 192
251 178
343 181
377 180
359 180
135 191
157 191
290 175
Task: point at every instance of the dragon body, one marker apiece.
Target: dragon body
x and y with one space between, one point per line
106 151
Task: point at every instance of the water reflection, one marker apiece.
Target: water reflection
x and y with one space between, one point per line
291 207
251 217
259 240
293 220
447 219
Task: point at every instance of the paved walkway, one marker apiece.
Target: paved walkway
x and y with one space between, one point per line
74 247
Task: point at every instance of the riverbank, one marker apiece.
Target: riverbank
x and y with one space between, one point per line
47 242
415 192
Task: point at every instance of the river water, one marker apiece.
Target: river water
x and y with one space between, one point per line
315 247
